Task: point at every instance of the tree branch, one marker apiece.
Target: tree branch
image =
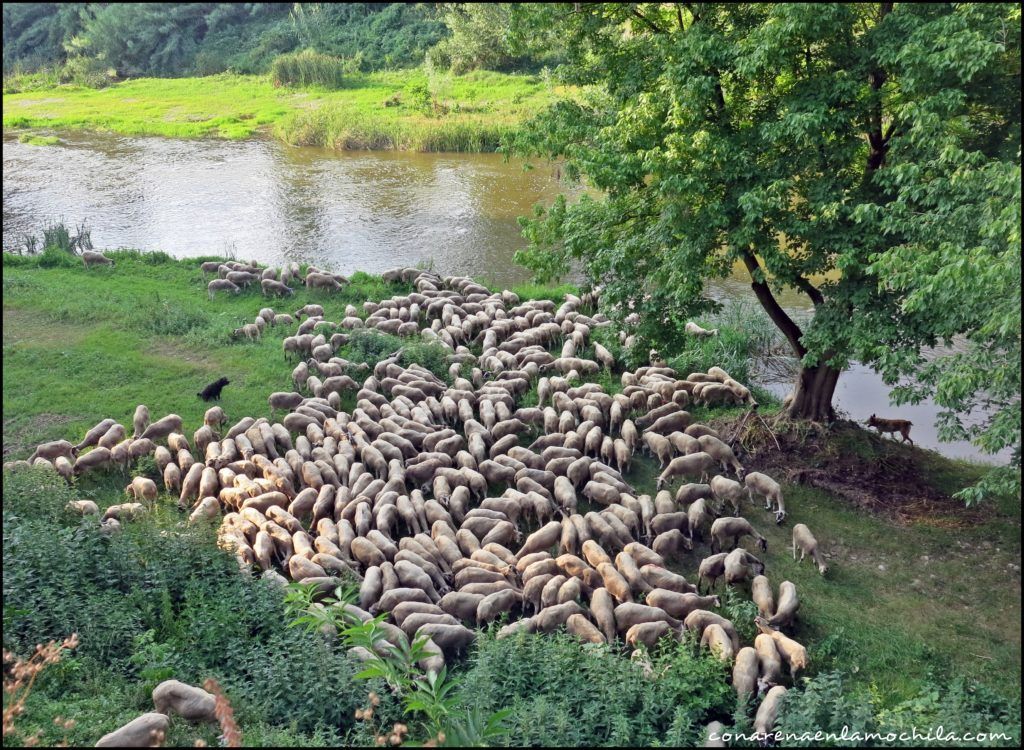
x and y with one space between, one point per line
679 17
810 290
649 23
771 306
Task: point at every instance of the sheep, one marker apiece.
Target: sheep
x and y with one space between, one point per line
761 484
579 626
140 421
696 463
727 527
724 489
721 453
761 593
191 703
310 310
250 331
692 329
222 285
739 565
214 418
711 568
83 507
322 281
271 287
679 605
282 400
94 459
93 435
789 603
56 448
717 641
142 488
769 660
768 711
745 673
92 258
792 653
804 539
163 427
143 731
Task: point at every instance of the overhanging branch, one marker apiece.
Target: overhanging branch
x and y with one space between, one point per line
771 305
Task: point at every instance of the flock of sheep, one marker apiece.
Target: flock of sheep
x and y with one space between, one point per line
453 505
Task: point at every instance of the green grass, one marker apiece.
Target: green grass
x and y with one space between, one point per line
80 346
33 139
478 109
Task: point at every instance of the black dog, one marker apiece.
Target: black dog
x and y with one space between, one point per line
212 391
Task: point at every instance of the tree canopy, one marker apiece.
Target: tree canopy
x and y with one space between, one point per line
864 154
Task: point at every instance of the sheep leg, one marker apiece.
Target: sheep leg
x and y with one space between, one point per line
794 549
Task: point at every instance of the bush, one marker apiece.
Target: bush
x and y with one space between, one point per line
308 68
159 600
371 347
827 705
561 692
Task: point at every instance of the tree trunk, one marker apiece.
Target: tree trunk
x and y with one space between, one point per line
812 395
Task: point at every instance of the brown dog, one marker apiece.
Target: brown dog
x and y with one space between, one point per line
902 426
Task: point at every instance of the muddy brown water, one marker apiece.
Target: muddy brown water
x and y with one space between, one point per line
349 210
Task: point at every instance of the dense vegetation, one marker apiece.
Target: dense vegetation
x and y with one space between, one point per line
176 39
830 148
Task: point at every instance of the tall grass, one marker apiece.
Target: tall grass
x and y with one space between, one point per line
308 68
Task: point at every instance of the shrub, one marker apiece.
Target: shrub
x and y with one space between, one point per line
561 692
308 68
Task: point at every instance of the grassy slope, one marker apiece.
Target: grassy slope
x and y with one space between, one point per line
79 346
482 106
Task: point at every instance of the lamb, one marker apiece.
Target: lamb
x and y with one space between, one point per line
144 731
901 426
91 258
762 484
222 285
212 391
726 528
191 703
692 329
804 539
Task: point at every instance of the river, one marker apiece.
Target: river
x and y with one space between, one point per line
348 210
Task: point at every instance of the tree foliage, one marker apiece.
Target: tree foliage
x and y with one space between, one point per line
170 39
850 151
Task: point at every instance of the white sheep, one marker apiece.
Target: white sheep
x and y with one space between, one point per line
804 539
763 485
91 258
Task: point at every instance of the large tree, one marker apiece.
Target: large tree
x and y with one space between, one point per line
803 141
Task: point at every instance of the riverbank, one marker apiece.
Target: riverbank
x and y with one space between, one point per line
394 110
899 615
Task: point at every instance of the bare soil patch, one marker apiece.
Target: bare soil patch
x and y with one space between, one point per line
870 472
